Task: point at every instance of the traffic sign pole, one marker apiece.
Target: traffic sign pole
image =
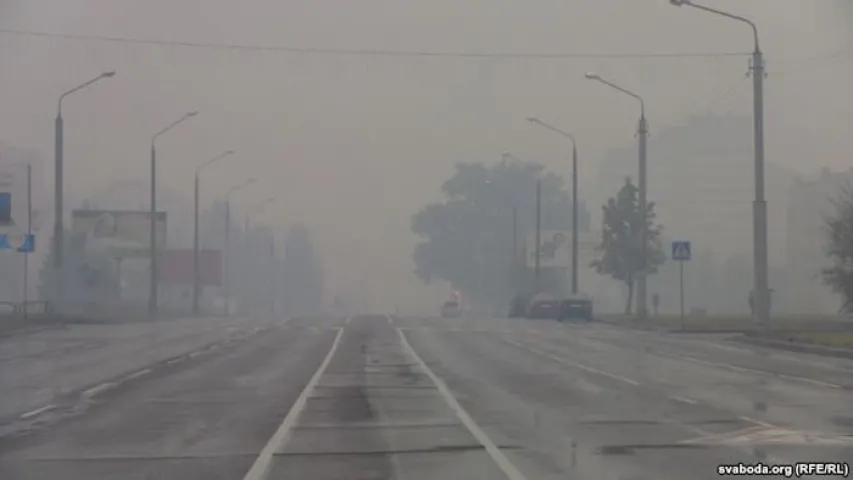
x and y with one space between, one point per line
681 252
681 290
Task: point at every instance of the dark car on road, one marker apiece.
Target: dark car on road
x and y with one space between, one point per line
518 305
451 309
544 307
575 307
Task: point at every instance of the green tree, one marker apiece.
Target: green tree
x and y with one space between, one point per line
621 239
467 237
838 235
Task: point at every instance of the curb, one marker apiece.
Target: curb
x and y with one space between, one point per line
796 347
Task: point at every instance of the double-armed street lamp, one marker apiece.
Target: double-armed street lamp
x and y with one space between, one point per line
642 133
152 247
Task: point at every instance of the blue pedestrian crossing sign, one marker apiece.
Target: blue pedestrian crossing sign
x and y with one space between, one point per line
681 250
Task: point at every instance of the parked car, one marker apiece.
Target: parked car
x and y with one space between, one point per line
451 309
577 307
544 307
518 305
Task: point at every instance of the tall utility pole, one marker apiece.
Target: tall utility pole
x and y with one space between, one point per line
58 193
227 278
246 263
29 232
574 197
574 218
152 247
642 133
538 233
196 273
273 277
761 284
513 264
226 281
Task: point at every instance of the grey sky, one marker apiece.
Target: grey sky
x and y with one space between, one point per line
352 145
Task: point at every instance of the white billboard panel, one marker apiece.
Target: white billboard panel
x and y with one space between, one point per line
122 233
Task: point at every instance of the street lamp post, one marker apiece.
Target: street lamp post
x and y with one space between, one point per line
642 133
58 227
196 276
574 198
246 266
227 280
759 205
152 248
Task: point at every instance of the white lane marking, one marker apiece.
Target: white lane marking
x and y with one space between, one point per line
390 321
195 354
37 411
573 364
683 399
758 372
174 360
758 422
98 389
346 322
260 467
500 459
138 374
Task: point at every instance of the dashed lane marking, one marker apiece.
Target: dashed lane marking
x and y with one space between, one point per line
759 372
499 458
99 389
573 364
37 411
758 422
683 399
138 374
261 466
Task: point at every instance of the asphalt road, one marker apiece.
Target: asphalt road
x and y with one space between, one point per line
374 397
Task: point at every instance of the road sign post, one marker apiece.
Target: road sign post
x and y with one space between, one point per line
681 253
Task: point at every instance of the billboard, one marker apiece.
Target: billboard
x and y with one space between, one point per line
176 267
555 249
119 233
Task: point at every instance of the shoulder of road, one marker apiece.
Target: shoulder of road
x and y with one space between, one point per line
815 334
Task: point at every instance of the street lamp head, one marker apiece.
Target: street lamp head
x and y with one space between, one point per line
679 3
229 152
533 119
108 74
592 76
192 114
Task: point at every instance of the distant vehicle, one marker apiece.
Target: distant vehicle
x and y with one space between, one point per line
451 309
544 307
518 306
575 306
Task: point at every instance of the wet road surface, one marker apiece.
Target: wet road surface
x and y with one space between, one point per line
377 397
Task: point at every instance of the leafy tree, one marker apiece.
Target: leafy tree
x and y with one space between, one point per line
621 239
467 237
838 233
